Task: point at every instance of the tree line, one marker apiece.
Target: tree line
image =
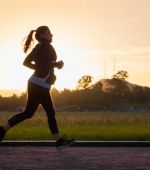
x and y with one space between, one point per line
106 94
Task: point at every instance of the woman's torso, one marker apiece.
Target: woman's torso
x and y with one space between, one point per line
44 72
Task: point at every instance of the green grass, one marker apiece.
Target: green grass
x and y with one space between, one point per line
83 126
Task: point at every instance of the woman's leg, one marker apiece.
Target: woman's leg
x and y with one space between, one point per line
31 106
47 104
28 113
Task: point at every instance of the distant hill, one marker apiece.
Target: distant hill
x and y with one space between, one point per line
106 84
8 93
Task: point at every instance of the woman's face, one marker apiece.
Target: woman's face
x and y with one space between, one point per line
47 35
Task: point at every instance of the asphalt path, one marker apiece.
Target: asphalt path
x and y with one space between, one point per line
74 158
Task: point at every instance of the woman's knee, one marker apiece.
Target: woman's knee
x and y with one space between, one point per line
28 115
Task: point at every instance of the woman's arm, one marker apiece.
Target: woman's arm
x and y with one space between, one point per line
58 64
28 62
53 55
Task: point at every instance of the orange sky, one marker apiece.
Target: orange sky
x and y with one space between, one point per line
87 34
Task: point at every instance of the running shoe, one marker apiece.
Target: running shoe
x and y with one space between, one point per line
63 143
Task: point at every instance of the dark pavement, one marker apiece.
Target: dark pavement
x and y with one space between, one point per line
74 158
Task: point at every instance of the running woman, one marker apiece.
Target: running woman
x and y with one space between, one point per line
42 59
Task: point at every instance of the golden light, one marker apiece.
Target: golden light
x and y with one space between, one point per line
86 33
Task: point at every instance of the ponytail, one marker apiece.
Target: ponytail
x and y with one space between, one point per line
29 41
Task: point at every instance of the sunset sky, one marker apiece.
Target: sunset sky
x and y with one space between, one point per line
88 35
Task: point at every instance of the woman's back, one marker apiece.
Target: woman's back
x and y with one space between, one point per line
42 56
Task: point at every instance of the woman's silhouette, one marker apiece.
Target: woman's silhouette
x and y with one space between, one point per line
42 59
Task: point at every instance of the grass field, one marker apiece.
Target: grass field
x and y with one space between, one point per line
83 126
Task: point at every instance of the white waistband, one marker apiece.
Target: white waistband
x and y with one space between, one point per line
39 81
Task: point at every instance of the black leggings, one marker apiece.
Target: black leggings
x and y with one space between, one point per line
37 95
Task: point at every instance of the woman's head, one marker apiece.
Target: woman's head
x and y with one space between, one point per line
42 33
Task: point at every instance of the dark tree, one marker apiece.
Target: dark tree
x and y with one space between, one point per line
121 75
84 82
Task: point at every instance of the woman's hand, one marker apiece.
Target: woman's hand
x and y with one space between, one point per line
60 64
